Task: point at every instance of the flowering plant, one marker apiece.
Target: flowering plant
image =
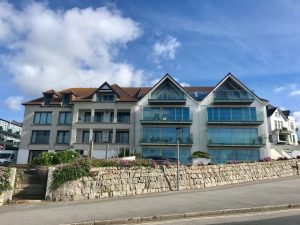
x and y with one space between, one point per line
4 179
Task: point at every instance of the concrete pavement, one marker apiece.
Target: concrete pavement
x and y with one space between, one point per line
282 217
275 192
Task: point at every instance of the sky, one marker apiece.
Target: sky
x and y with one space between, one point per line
58 44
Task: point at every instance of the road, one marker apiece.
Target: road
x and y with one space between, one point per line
275 192
283 217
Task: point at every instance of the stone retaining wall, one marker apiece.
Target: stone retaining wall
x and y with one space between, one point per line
111 182
6 196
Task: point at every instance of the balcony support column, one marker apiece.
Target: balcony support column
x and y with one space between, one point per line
115 115
91 134
114 136
92 115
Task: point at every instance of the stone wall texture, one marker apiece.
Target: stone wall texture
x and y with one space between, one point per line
111 182
6 196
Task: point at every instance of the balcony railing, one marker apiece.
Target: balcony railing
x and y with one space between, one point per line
234 141
11 134
230 96
164 118
243 120
166 98
165 140
102 140
122 140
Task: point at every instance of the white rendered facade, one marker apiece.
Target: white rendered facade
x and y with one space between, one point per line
150 121
10 133
282 128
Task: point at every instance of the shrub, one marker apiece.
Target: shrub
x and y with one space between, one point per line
51 158
200 154
4 179
122 163
122 151
69 172
138 155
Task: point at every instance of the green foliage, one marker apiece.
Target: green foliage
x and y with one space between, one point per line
5 173
122 163
122 151
138 155
200 154
51 158
81 168
69 172
127 153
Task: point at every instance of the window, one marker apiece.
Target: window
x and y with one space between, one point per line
66 99
233 136
123 117
40 137
42 118
87 116
122 137
166 114
104 136
98 117
47 99
223 156
97 137
63 137
85 136
246 114
168 92
166 135
65 118
106 97
292 126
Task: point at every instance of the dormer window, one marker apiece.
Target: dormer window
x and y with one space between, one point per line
48 98
101 97
66 98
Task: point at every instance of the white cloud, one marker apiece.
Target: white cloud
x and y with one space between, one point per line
295 92
166 49
279 89
297 118
183 84
58 49
14 102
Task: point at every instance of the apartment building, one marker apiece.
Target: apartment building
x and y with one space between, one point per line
282 126
10 134
227 120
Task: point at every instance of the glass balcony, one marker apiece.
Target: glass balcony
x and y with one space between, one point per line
237 116
166 140
233 96
180 115
236 141
166 97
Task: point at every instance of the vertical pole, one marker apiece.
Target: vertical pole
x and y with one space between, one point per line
106 151
91 149
177 164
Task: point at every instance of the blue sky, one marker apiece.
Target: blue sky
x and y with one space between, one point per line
57 44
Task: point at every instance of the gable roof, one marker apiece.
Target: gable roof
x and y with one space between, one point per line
131 94
271 109
230 75
164 78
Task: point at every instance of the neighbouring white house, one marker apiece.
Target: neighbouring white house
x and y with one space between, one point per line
10 134
282 126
